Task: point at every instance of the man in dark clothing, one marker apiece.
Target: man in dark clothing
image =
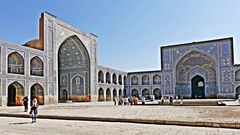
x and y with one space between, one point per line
171 100
25 103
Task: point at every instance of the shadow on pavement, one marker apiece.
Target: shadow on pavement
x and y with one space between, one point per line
19 123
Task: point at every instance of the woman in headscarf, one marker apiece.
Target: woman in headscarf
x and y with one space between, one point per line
34 110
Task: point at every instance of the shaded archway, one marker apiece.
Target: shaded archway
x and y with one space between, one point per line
156 79
114 93
100 94
15 63
100 77
15 94
198 87
120 93
114 78
124 92
237 75
135 93
157 93
64 95
36 66
74 68
108 78
108 95
146 93
37 92
124 80
134 80
145 80
119 79
237 91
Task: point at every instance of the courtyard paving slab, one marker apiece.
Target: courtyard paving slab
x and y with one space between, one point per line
213 116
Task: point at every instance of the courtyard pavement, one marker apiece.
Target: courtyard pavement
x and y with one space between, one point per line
157 113
23 126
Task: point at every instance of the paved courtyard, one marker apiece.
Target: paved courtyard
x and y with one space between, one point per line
158 112
23 126
12 126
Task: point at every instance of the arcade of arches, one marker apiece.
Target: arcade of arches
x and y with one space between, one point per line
109 96
145 80
16 94
108 78
16 65
145 93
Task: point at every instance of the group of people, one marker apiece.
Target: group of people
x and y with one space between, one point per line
34 108
125 100
170 98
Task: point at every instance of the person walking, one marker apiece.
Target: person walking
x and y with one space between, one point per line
120 102
181 102
34 110
125 100
171 100
177 98
162 100
135 100
130 100
25 103
143 100
115 100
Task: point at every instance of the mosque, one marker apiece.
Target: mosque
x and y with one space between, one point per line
63 65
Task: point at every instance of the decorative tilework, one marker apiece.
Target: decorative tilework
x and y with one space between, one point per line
178 52
167 78
73 58
210 49
195 63
227 88
225 49
166 56
77 85
226 75
166 60
50 89
226 61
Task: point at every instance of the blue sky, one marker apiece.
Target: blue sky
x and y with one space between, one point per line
130 32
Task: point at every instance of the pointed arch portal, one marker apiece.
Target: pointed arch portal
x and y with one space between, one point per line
37 92
73 70
15 94
198 87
